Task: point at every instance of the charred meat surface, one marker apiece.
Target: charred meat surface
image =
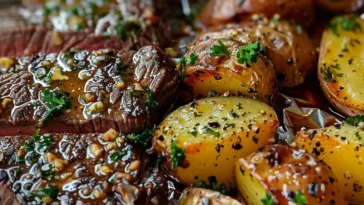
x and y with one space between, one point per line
86 92
79 169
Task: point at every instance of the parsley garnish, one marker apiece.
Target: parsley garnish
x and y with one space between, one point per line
249 54
300 198
117 155
347 23
38 144
48 191
192 59
143 139
55 101
213 185
150 102
268 200
354 121
177 155
207 130
219 49
328 74
122 28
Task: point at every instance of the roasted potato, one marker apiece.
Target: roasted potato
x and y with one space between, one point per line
206 137
198 196
219 12
278 174
341 147
288 47
224 74
340 69
341 6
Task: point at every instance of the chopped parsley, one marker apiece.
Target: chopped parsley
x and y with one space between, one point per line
328 74
249 54
48 191
143 139
268 200
219 49
38 144
117 155
47 171
192 59
300 198
212 184
347 23
207 130
177 155
150 102
55 101
123 29
354 121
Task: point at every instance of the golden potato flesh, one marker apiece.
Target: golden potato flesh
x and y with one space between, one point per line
219 12
341 63
198 196
288 47
341 147
341 6
224 74
209 135
283 175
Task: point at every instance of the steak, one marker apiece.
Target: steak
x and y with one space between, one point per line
25 33
79 169
86 92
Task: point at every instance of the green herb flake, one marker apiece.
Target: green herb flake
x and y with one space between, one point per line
300 198
48 191
213 185
182 69
207 130
143 139
249 54
55 101
347 23
268 200
354 121
193 58
150 102
117 155
177 154
219 49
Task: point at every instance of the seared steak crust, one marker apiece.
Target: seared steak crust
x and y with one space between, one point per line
78 172
126 91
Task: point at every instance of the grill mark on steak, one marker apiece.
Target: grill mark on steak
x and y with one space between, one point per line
147 73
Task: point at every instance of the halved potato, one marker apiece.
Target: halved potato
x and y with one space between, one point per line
224 74
283 175
341 6
341 64
206 137
288 47
341 147
219 12
198 196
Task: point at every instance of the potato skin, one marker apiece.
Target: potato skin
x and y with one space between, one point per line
282 172
341 147
341 54
198 196
343 6
290 50
219 12
226 75
237 127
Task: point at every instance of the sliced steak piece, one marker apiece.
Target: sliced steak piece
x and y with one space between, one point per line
86 92
84 169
